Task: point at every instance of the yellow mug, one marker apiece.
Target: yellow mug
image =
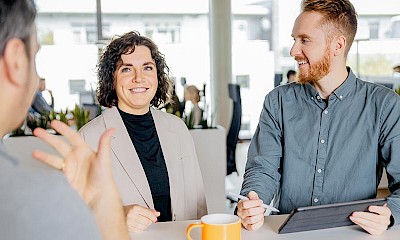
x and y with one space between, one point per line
218 227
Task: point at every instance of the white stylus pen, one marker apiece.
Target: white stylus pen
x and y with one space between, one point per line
246 198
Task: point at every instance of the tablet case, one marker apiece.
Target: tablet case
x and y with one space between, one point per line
325 216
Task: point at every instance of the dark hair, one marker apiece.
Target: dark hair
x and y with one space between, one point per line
290 72
340 14
16 21
111 59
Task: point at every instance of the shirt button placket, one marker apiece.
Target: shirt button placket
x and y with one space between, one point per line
321 158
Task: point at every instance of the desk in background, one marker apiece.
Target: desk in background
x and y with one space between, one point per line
269 231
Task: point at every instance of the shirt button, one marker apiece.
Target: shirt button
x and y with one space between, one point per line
319 170
326 111
316 200
318 97
322 141
340 96
312 98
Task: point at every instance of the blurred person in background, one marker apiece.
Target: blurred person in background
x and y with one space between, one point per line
39 104
291 76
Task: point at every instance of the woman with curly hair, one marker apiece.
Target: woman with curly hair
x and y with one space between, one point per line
154 160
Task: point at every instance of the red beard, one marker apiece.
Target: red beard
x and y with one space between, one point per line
316 71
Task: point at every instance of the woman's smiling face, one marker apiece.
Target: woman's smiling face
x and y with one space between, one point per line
136 81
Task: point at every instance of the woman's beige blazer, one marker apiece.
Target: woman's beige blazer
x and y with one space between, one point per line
186 183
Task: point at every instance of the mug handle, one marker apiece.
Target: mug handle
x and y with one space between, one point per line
190 227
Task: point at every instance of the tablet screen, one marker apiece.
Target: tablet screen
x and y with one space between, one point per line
326 216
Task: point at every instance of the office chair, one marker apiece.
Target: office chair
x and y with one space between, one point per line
233 134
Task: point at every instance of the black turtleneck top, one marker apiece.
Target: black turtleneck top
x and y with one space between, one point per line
143 134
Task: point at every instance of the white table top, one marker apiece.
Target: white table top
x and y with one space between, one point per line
269 231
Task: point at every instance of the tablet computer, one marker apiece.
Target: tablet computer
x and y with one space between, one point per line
326 216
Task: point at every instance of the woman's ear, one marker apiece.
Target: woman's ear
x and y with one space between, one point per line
16 62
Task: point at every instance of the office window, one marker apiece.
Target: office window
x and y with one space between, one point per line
373 30
163 32
243 81
77 86
86 33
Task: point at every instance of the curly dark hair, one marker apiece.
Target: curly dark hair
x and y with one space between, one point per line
111 59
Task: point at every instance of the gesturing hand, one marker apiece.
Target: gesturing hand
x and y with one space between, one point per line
88 172
139 218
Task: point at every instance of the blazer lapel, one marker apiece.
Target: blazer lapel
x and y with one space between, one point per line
171 150
122 147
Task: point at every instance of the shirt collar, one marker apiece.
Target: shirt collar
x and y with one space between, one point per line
340 93
344 90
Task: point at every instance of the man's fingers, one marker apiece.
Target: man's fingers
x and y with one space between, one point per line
252 195
372 217
253 211
255 226
253 219
50 159
366 228
381 210
246 204
57 143
371 222
104 145
371 227
65 130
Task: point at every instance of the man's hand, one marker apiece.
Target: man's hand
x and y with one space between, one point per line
251 212
374 222
89 173
139 218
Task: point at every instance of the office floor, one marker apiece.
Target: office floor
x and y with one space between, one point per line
233 182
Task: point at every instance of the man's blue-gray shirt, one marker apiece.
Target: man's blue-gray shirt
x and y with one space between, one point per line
319 152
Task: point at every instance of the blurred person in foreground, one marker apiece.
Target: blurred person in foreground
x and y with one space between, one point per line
332 130
39 202
154 158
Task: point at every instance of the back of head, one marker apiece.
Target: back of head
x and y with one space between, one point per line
290 73
110 60
16 20
339 15
192 93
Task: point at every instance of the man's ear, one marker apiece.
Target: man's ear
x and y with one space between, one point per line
340 45
16 61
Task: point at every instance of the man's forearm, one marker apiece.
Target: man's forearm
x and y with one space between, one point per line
109 215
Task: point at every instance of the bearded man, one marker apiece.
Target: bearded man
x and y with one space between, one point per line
328 137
